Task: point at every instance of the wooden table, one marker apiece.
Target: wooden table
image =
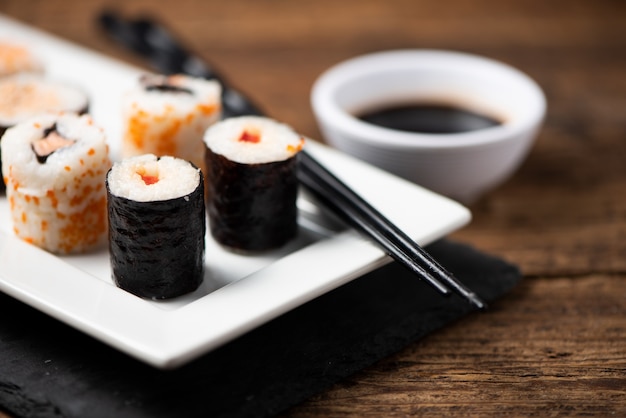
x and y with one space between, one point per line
554 346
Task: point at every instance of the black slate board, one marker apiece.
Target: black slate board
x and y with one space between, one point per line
48 369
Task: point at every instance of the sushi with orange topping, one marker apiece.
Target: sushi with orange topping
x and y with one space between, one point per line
25 95
16 58
54 168
167 115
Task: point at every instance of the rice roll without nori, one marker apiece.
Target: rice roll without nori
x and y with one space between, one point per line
54 167
157 225
16 58
251 182
23 96
167 115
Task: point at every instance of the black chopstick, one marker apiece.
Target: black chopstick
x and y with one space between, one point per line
168 56
335 194
332 199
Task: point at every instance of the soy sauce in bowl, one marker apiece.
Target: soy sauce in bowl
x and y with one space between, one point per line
429 118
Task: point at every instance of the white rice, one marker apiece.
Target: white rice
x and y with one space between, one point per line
59 205
276 141
25 95
176 178
162 122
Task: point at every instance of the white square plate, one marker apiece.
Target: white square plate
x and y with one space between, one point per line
239 292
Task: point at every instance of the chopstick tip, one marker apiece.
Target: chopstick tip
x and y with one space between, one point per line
475 300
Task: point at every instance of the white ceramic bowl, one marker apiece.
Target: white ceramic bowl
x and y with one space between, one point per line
460 165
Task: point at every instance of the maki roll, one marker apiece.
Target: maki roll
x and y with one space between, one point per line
157 225
54 167
167 115
16 58
251 182
23 96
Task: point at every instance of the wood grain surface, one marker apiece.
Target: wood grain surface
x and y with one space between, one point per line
556 346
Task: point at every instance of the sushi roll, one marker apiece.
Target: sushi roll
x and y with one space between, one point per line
157 225
167 115
23 96
251 182
54 167
15 58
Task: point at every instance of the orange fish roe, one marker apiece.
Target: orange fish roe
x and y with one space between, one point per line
160 142
137 130
63 210
207 109
168 115
294 149
76 200
85 228
26 97
71 232
15 58
54 202
166 142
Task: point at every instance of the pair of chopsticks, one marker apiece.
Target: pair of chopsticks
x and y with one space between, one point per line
355 211
167 55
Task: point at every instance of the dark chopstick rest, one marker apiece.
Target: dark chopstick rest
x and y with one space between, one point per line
167 55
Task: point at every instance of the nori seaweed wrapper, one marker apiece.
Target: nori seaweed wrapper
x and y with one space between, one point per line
251 207
2 185
157 248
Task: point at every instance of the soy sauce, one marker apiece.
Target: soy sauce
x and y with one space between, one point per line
429 118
